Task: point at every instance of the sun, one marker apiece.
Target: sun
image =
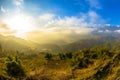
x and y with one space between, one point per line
21 23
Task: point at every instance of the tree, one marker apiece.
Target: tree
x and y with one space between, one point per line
14 67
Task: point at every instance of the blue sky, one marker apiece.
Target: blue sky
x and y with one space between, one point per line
58 16
107 9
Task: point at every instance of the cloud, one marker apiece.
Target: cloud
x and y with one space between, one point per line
53 24
94 4
3 10
18 3
20 23
43 19
17 7
84 20
94 18
5 30
3 25
118 31
56 35
46 16
53 27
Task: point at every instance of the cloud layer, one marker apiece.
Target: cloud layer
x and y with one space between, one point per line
77 24
5 30
52 26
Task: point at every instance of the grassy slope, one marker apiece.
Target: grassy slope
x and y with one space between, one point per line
89 64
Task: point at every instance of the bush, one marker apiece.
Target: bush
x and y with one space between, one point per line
48 56
103 71
61 56
69 55
3 77
14 67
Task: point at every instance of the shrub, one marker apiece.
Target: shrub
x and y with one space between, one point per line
103 71
14 67
48 56
69 55
61 56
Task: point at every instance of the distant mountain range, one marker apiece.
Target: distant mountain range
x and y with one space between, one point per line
112 40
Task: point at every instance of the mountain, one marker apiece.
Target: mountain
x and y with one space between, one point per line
11 43
108 40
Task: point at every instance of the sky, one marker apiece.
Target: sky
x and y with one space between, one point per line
24 17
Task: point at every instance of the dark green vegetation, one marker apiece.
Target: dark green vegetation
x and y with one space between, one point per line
14 67
87 59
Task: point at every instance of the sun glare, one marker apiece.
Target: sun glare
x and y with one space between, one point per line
20 23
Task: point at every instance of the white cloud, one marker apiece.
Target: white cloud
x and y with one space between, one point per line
21 23
94 4
46 16
95 18
84 23
118 31
18 3
44 19
3 10
84 20
51 23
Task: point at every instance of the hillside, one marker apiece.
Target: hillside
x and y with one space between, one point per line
10 43
97 63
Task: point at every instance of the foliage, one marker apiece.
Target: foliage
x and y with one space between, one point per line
81 59
64 56
14 67
61 56
103 71
88 64
48 56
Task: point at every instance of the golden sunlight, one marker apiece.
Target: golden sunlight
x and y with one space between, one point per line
21 23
